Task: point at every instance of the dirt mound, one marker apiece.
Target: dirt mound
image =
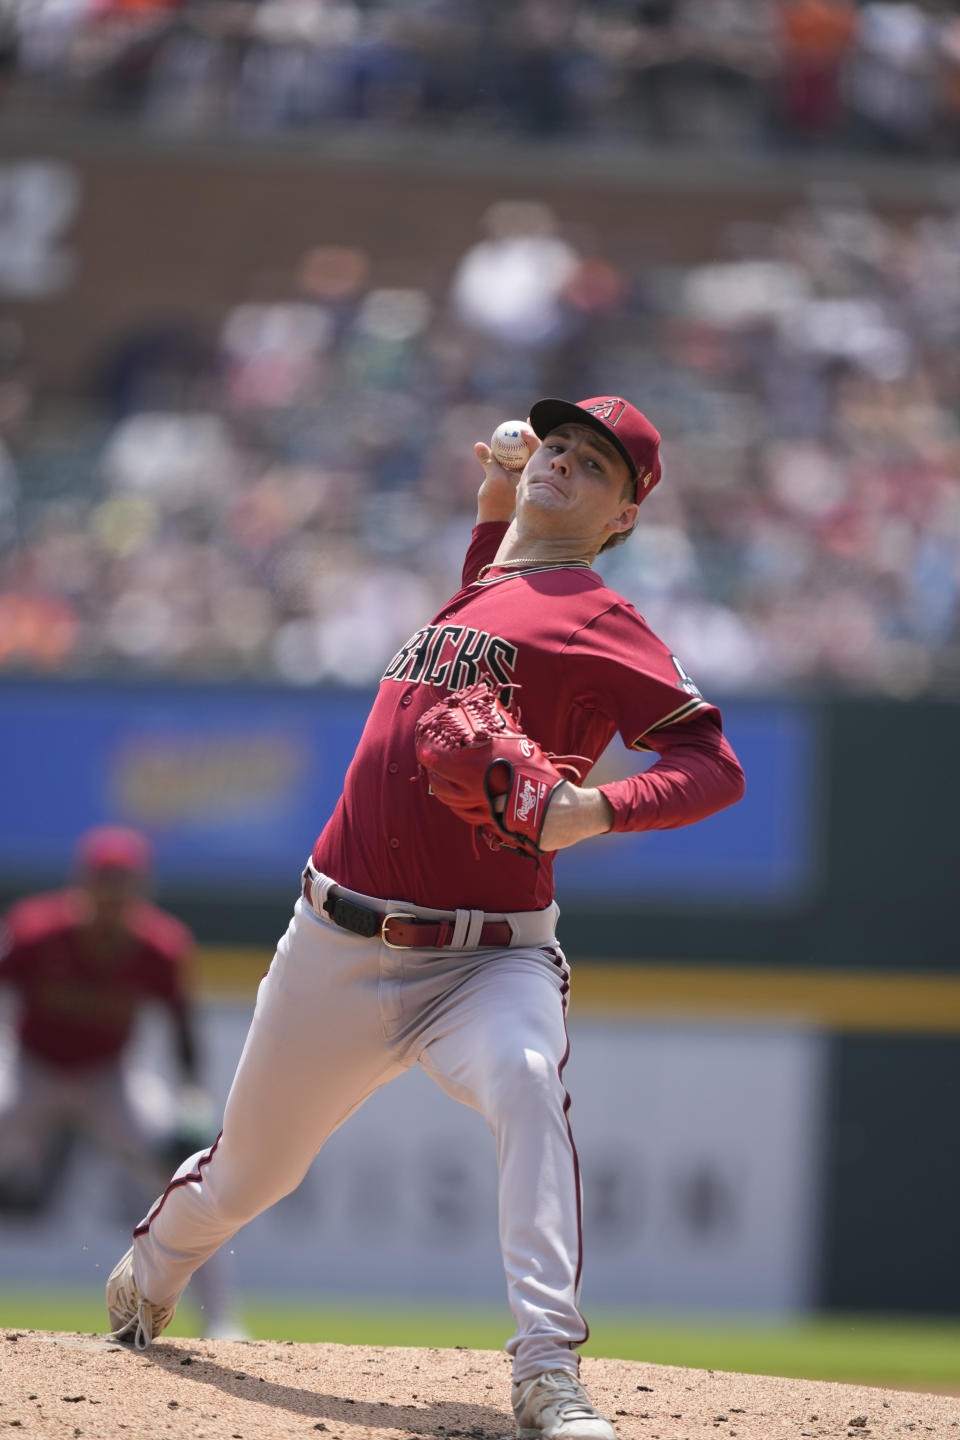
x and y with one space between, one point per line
54 1386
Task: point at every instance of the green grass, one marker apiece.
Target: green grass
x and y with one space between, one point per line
892 1352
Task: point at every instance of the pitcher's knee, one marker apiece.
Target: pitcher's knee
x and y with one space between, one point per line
525 1078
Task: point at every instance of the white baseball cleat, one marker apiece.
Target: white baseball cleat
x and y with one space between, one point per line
555 1406
132 1317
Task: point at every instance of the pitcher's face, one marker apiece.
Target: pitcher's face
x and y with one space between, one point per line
576 484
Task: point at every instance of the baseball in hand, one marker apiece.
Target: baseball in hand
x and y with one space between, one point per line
507 444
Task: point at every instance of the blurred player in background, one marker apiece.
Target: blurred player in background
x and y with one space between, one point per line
82 963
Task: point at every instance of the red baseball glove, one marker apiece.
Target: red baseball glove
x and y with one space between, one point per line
473 750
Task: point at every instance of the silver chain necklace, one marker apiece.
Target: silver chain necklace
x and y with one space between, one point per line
529 560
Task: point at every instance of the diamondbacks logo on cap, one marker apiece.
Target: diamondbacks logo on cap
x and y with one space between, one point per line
609 411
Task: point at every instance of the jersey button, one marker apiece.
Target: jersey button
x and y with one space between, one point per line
394 843
393 767
406 700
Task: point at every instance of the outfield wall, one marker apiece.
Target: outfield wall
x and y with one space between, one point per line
758 1160
700 1147
766 1008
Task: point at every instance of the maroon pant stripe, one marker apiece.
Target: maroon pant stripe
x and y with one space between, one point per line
564 992
194 1175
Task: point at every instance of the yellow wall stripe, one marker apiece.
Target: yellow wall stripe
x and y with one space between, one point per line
231 973
846 1000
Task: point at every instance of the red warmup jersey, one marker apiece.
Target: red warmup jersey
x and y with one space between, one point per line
76 1008
586 667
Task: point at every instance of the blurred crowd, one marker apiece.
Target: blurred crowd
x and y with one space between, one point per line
877 74
291 496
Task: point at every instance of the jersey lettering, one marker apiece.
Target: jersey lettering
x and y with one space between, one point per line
436 674
421 655
403 655
475 652
466 663
501 659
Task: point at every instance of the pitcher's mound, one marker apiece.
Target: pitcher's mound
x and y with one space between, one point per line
54 1386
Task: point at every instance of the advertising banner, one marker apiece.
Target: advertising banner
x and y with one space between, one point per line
238 782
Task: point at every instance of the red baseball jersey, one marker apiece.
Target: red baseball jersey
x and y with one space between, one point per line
77 1006
584 666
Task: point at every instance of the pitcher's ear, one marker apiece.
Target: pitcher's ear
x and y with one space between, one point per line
627 517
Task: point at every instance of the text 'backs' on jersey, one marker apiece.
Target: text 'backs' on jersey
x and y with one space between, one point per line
582 666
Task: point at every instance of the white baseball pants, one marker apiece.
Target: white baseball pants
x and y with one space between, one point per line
337 1016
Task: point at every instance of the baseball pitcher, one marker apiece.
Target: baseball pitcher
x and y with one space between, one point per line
426 928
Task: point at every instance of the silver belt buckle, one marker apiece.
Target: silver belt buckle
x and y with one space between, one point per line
394 915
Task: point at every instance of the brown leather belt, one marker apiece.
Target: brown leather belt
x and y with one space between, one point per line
399 929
